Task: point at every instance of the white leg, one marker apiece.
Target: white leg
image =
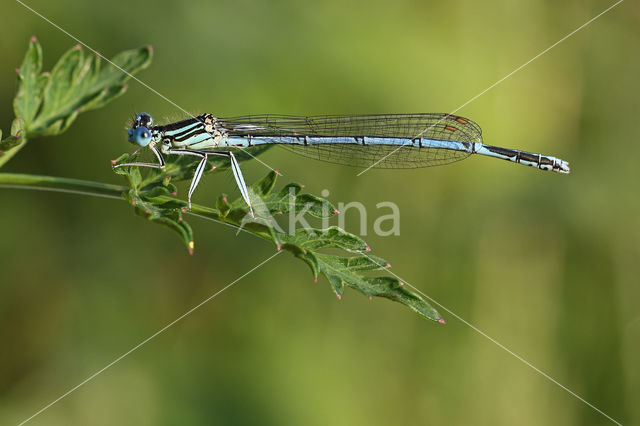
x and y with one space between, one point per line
196 178
199 170
152 165
237 173
235 167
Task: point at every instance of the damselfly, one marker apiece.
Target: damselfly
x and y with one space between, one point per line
390 141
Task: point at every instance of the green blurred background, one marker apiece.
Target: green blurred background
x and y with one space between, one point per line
546 264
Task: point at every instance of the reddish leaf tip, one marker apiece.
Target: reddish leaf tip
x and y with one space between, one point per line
34 39
113 162
388 265
17 70
133 202
125 87
396 295
174 193
150 48
301 186
279 213
183 210
315 280
77 47
278 246
16 137
442 321
224 199
367 248
339 296
213 167
180 219
190 248
147 211
400 283
370 297
336 211
276 171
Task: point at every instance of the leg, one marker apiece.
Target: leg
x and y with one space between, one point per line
237 173
199 170
153 165
235 167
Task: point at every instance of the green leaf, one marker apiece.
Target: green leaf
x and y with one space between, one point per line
264 186
62 82
30 84
156 202
222 204
314 239
154 207
48 103
151 198
78 84
131 61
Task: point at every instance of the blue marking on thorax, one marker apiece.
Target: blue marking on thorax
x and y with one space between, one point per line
199 141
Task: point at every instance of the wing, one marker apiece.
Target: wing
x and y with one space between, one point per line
438 127
379 156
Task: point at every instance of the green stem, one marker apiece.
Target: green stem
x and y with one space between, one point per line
68 184
8 149
86 187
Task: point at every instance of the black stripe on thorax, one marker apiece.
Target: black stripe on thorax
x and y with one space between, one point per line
179 124
184 136
197 128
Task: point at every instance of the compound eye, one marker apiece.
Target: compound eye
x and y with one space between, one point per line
144 119
140 136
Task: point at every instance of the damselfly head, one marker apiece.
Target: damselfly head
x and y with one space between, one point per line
140 136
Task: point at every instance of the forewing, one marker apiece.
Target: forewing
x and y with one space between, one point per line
443 127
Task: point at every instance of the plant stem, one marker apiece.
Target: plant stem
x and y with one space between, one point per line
86 187
68 184
8 149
